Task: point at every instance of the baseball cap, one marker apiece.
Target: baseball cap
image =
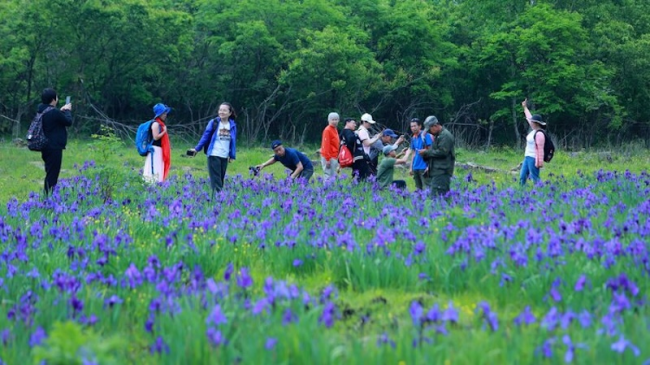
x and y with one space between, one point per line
390 133
430 121
275 143
367 118
388 149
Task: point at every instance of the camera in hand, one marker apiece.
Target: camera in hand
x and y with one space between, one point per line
254 170
190 153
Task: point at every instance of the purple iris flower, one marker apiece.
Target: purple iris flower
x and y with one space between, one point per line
526 317
622 344
37 337
244 280
216 316
270 343
159 346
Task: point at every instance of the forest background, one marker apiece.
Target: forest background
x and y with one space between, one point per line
284 64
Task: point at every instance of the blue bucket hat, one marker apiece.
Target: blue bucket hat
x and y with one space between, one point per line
275 143
160 109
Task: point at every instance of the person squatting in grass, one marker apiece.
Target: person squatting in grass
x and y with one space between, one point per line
367 142
294 160
421 140
441 157
219 142
54 122
329 147
360 166
156 167
386 169
534 153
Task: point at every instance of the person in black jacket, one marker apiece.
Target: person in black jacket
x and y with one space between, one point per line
55 122
361 166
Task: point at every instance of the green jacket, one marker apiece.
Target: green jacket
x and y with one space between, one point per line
441 157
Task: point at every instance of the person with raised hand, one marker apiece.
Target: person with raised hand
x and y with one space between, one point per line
386 169
366 141
534 152
219 142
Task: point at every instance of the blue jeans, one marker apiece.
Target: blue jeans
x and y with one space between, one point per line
528 168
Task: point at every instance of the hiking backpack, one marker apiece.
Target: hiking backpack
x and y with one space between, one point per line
144 138
549 147
36 140
345 157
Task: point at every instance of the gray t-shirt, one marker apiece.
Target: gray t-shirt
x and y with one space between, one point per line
376 148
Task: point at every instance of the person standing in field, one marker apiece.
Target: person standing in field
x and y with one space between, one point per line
54 122
156 167
441 157
366 141
296 161
386 169
219 142
421 140
360 166
329 147
534 153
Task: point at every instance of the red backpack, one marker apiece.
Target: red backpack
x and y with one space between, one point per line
345 157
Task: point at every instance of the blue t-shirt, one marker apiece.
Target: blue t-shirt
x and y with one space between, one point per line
292 157
418 144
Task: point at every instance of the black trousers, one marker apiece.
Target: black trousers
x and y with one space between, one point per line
400 184
217 170
52 158
361 168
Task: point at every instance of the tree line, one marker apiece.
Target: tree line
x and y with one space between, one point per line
284 64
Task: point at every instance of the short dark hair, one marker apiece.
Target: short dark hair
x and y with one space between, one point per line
417 121
350 120
48 95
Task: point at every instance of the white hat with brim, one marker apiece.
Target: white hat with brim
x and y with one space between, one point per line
367 118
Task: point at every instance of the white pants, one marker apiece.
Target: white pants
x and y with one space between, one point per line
331 171
153 170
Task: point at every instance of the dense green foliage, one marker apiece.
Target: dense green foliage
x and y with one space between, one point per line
285 63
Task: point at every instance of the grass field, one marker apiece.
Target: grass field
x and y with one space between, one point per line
113 271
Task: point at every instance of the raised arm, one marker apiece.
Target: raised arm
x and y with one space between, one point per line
524 103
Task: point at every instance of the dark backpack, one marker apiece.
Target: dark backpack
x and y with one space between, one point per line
549 147
36 140
144 138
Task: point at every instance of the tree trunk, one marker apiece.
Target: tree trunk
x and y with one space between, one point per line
489 137
514 123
